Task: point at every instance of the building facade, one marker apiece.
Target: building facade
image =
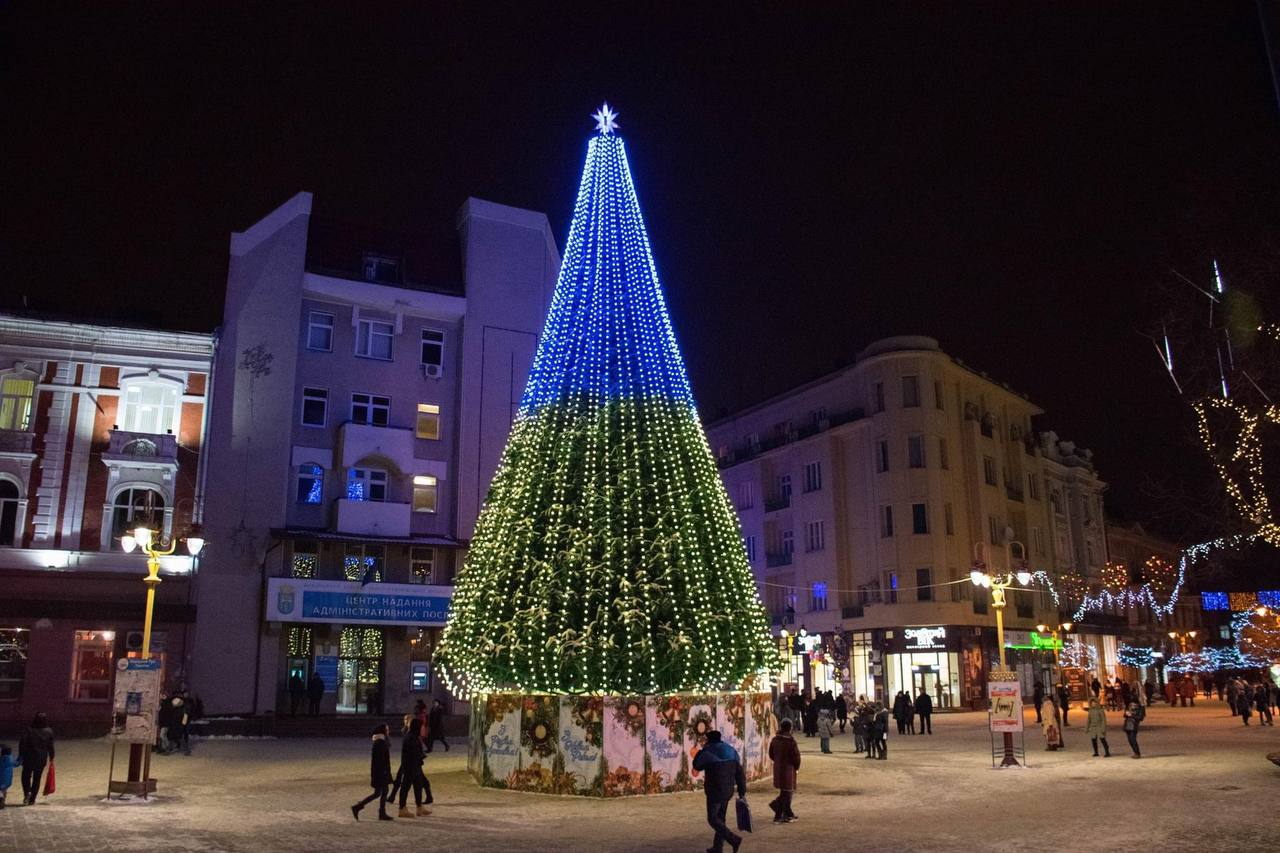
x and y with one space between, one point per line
866 496
365 387
101 429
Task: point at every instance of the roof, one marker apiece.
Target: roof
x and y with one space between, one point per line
337 248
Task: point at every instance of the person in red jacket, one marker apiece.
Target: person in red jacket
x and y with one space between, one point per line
785 755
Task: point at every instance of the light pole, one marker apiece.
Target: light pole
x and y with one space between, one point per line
1182 637
998 583
1053 632
144 537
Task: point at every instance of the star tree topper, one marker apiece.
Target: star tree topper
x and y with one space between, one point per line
605 120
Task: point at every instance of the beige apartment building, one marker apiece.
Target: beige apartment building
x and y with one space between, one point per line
865 497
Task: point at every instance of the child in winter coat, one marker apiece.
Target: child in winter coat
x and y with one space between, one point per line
826 730
7 763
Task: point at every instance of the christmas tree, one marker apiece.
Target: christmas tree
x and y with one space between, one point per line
606 558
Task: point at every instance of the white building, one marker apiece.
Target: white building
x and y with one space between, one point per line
862 497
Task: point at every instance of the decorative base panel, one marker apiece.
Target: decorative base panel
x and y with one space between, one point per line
611 746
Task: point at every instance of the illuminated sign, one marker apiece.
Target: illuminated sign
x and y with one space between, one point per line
1034 641
925 638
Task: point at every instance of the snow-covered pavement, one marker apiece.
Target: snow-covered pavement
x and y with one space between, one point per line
1203 781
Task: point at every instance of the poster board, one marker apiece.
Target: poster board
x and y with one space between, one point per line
136 701
1006 705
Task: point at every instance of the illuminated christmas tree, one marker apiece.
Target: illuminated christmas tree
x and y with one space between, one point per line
606 558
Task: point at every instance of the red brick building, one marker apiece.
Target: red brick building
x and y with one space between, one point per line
101 428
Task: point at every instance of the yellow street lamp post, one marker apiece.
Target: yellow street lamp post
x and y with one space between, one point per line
998 583
1182 637
144 538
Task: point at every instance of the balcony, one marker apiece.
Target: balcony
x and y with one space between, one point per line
142 450
358 441
773 561
17 441
776 503
371 518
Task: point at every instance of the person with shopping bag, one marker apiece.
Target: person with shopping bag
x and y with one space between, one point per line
721 769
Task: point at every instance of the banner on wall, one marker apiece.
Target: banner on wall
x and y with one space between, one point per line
1006 705
350 603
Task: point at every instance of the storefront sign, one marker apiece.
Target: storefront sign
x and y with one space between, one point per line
925 639
136 701
1006 705
349 603
1030 640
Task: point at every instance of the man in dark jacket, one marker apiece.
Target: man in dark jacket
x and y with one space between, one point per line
1037 697
924 707
379 774
1064 700
721 772
297 689
35 750
315 692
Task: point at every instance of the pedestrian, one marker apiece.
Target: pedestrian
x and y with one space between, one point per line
795 704
1126 694
826 730
7 763
1096 686
178 735
1096 728
1150 688
810 717
1187 691
1244 701
1053 728
435 725
1064 700
881 731
1171 692
1134 713
900 711
379 774
297 689
315 692
1262 701
784 752
924 709
722 772
909 712
859 725
35 750
1232 691
411 775
1206 685
842 711
1037 697
1220 684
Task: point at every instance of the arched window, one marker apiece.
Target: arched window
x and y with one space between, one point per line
136 506
310 483
8 512
149 405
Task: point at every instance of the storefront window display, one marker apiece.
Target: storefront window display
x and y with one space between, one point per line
91 666
923 658
862 665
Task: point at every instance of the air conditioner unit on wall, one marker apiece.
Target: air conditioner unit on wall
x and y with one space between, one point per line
432 370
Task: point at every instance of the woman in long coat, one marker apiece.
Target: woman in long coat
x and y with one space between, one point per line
784 752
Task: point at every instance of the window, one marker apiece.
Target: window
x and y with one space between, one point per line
746 495
13 662
306 559
749 542
788 542
1055 498
882 456
16 394
910 392
938 396
924 585
150 407
818 596
310 488
381 268
989 470
815 536
919 518
949 519
877 397
428 421
886 522
915 451
9 496
812 476
891 587
1037 541
784 488
373 339
370 409
315 407
320 331
367 484
136 507
944 460
424 493
91 664
994 531
422 565
433 351
363 563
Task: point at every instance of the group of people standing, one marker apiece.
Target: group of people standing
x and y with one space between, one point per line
1245 698
905 711
419 731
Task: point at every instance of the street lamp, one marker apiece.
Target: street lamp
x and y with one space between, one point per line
144 538
1182 637
998 583
1053 631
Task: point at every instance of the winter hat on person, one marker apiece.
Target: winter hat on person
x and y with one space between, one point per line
713 736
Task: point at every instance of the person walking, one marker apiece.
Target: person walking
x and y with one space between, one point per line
880 734
379 774
1064 700
1037 698
435 725
1096 728
826 730
315 693
297 689
1244 702
1134 713
842 711
1262 701
784 752
721 770
924 709
35 750
411 775
1150 688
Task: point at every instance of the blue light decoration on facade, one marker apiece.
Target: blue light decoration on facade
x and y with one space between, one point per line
1214 601
1269 598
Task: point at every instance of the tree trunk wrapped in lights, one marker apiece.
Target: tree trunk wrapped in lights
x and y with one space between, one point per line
606 559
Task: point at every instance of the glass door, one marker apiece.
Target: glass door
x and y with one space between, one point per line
360 671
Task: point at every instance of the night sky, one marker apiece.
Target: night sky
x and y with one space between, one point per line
1016 179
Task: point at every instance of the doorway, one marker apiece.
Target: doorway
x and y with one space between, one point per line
360 671
924 678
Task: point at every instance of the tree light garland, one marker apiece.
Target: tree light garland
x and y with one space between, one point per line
607 558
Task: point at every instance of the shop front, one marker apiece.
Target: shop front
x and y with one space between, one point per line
925 659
